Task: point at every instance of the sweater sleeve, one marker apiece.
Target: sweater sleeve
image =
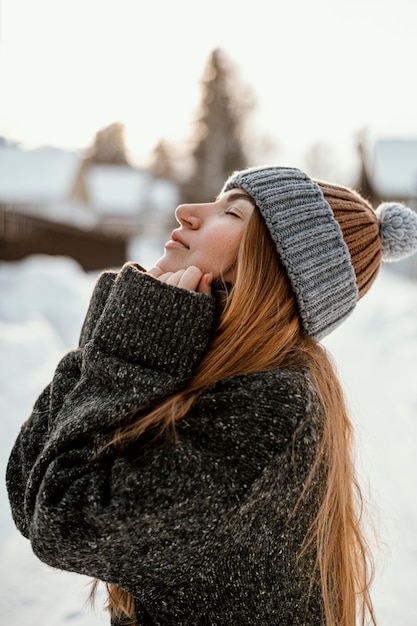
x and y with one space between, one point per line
95 308
114 370
34 431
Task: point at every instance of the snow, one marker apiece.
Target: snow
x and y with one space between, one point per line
115 189
43 175
42 304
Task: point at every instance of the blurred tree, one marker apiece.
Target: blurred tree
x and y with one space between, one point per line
108 148
364 184
320 161
219 130
162 163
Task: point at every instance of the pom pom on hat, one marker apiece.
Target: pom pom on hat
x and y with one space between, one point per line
398 231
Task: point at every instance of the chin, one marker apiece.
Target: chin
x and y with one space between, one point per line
164 264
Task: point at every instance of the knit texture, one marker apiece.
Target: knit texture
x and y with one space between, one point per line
309 243
198 531
329 239
360 227
398 230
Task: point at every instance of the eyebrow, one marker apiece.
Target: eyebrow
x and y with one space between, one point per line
238 195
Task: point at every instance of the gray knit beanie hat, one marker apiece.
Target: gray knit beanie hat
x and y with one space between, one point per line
328 238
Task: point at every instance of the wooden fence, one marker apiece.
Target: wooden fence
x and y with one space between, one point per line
24 234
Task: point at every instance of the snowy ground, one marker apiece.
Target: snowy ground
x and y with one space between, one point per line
42 303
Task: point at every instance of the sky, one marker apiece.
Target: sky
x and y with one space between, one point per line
320 71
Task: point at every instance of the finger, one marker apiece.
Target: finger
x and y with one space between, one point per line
204 286
174 278
164 277
190 278
155 271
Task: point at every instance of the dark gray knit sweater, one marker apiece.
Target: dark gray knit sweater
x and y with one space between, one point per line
198 530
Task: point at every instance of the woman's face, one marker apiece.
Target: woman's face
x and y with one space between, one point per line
209 235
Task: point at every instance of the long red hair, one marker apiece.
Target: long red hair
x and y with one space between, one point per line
260 320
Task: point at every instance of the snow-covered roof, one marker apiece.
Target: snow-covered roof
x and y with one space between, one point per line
164 196
41 175
43 180
117 189
394 172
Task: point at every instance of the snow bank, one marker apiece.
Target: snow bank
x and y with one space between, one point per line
42 304
376 353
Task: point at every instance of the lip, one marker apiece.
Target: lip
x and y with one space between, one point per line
176 241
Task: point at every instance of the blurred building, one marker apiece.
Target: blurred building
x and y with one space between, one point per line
55 201
389 173
390 170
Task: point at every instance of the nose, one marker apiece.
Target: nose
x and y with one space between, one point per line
189 215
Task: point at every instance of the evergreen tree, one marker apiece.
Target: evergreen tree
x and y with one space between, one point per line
163 161
320 161
109 146
219 132
364 184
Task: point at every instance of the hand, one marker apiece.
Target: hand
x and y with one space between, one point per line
191 278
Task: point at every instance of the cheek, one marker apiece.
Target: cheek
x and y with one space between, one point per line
225 248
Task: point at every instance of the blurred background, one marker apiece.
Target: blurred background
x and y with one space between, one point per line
111 113
114 112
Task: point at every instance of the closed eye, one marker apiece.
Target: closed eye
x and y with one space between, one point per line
231 212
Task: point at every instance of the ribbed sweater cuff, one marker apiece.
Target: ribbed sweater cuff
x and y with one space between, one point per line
98 300
96 306
154 324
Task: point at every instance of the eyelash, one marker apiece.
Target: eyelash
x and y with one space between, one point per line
229 212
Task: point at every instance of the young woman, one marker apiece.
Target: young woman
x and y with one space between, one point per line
194 452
